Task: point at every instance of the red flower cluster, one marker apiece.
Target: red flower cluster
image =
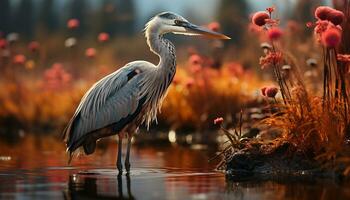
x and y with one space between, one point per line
218 121
271 59
56 77
327 27
327 13
343 58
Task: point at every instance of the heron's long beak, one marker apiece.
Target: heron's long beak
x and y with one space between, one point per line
197 30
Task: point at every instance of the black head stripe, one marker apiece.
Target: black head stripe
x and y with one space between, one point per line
167 15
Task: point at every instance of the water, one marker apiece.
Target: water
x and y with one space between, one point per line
36 168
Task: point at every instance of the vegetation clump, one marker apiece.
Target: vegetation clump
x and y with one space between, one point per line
304 131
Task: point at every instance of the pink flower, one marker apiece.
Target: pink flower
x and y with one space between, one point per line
19 59
214 26
103 37
271 92
3 43
73 23
259 18
90 52
322 12
331 37
336 17
274 33
34 46
56 77
218 121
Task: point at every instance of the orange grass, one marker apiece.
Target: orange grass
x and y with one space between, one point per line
194 100
33 103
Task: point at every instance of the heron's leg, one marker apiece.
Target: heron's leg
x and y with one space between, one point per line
119 156
128 187
127 157
120 185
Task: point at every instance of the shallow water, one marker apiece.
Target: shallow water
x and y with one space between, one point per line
36 168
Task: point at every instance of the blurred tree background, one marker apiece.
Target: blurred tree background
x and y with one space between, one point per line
233 17
5 16
120 17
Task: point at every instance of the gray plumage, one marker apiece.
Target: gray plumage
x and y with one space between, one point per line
132 95
118 95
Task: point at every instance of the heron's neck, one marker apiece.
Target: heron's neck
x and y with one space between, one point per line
164 49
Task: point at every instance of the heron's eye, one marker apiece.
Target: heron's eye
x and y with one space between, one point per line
178 22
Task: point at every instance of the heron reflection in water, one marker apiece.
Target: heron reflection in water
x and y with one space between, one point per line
120 102
85 187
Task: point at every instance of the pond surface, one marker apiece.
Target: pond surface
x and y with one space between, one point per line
36 168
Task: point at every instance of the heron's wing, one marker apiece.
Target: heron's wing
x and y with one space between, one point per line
113 99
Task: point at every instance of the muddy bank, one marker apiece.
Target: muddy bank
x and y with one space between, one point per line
275 160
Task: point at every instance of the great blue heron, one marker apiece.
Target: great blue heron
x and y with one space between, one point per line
132 95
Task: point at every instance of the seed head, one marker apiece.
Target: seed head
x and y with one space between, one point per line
323 12
336 17
331 37
271 92
274 33
259 18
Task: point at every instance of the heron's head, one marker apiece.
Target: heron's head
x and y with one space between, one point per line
168 22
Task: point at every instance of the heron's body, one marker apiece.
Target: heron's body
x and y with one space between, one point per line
121 101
